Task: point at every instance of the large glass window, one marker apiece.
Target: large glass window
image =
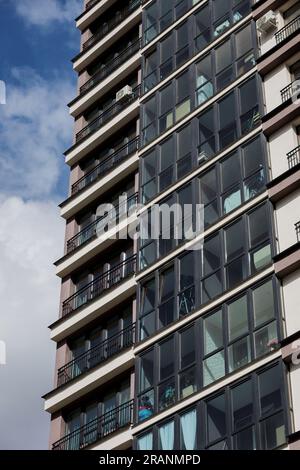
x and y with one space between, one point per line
233 418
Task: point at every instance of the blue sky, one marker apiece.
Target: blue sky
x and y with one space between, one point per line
38 39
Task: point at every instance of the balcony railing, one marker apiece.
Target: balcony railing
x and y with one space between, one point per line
96 355
108 114
111 66
297 228
287 30
97 429
98 286
290 91
112 23
106 165
90 232
293 157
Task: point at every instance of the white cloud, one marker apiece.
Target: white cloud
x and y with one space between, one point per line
45 12
35 128
31 237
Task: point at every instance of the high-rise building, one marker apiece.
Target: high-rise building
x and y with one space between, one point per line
161 346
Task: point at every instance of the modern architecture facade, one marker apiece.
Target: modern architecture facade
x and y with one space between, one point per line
159 345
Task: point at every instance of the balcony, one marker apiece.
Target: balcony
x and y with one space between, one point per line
290 91
287 30
96 355
108 114
110 67
98 429
92 230
293 157
105 166
98 286
112 23
297 228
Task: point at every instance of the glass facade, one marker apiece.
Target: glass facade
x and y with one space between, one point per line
247 415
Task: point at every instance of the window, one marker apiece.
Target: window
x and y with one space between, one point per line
259 228
230 418
204 84
166 104
235 258
227 117
182 35
183 106
250 116
224 65
186 294
147 312
184 148
149 176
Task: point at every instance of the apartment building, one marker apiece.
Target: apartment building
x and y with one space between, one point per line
159 345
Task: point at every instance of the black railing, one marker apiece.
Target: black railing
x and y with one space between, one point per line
97 429
108 114
95 228
106 165
290 91
287 30
106 27
95 289
297 228
110 66
96 355
293 157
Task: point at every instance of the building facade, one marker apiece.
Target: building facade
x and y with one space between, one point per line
161 346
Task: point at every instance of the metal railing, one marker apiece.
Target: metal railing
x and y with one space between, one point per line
96 355
97 429
93 229
108 114
106 165
297 228
293 157
287 30
291 90
110 66
106 27
95 289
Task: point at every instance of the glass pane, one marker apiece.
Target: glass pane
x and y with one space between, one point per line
167 352
188 430
245 440
239 354
213 368
166 394
167 284
231 171
258 225
149 167
167 154
273 431
223 56
211 255
182 86
166 313
263 303
227 111
147 325
270 390
238 318
187 347
211 287
208 186
186 271
146 370
184 139
261 257
166 99
234 240
204 84
235 272
243 41
148 296
213 332
266 339
242 405
248 95
166 436
146 405
216 418
188 383
145 442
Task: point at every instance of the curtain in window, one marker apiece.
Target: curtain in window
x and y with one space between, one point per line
188 424
166 433
146 442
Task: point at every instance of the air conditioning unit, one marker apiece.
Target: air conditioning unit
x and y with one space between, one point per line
124 93
267 23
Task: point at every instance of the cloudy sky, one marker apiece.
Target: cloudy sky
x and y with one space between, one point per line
38 38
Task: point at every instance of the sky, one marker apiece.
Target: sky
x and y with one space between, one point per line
38 39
